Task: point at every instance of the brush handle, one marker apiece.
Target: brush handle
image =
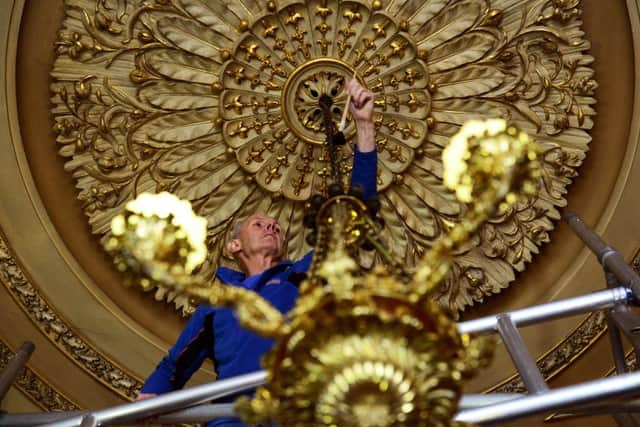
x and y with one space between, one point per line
343 121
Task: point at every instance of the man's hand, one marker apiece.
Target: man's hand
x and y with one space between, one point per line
143 396
361 107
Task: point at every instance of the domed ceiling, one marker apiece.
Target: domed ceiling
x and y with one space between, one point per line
217 103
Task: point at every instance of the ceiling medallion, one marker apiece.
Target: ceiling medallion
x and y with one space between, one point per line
215 102
284 62
302 91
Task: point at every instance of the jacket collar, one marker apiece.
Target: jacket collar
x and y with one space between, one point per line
238 278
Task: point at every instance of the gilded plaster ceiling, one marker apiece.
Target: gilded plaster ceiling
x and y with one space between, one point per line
103 100
219 105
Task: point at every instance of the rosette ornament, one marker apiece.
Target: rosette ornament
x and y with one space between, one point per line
217 102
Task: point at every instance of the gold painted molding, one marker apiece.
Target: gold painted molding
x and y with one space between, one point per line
219 105
59 297
43 278
59 331
562 355
37 389
631 364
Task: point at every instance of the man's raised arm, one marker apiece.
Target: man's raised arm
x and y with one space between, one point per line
365 159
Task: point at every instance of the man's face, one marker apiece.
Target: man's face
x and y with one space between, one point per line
261 234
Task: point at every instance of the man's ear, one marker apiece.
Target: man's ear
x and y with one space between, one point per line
234 246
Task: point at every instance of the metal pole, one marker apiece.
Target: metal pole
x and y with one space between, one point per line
89 421
469 400
600 408
169 402
207 412
628 322
37 418
562 308
617 349
608 256
620 386
616 346
13 368
197 414
521 357
204 413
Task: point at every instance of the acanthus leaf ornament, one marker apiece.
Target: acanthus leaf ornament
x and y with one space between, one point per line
215 102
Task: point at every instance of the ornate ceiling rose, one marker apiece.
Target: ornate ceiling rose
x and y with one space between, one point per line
216 102
284 62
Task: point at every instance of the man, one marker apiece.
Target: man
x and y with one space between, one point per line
257 245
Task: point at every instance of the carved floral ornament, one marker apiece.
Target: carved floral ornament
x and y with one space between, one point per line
216 102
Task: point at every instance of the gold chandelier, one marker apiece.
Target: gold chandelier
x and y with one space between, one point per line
358 349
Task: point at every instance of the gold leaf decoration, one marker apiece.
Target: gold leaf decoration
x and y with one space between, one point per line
217 102
40 392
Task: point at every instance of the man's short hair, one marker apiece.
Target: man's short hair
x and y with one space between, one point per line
235 231
237 227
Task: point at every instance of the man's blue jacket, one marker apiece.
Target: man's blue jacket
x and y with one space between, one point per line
215 333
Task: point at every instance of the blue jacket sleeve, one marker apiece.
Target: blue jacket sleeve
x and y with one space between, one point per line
186 356
365 171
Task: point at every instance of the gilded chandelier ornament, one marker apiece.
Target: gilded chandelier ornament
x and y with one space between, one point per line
214 102
363 349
